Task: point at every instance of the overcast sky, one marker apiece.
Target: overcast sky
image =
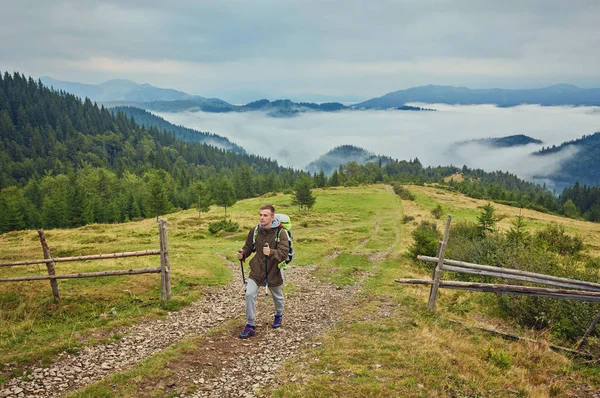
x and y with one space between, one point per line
241 50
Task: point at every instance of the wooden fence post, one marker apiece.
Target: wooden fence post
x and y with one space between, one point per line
588 332
165 265
49 265
438 268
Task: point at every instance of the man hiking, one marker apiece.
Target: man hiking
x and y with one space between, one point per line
270 242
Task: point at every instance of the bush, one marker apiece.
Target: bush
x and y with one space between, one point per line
437 212
407 219
426 238
545 254
500 358
554 238
224 225
403 192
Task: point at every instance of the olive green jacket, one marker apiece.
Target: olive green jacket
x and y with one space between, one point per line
279 253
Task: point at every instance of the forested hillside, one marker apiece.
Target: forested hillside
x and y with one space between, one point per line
583 166
67 162
147 119
341 155
503 142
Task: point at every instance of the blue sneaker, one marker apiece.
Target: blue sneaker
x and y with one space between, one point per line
249 331
277 321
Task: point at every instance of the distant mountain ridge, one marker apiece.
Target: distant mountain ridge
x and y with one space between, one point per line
560 94
277 108
341 155
503 142
147 119
583 167
118 90
121 92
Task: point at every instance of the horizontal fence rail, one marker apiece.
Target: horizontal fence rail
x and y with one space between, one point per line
84 258
135 271
510 289
164 270
514 274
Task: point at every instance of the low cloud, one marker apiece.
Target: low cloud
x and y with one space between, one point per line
428 136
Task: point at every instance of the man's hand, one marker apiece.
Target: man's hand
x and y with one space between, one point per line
267 251
240 255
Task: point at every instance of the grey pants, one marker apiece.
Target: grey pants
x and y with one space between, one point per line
252 292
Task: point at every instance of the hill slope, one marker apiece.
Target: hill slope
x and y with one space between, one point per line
381 342
341 155
117 90
504 142
148 119
560 94
583 166
64 162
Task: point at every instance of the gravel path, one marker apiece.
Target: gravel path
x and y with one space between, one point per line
311 308
243 368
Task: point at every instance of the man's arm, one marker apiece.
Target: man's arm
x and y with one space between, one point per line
283 247
247 249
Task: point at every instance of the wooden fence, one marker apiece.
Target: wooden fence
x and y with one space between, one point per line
164 269
572 289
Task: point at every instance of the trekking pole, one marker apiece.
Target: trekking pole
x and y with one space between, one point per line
266 294
266 272
242 268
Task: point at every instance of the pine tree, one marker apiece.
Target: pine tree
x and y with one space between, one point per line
224 193
570 210
202 195
11 213
517 233
320 179
158 197
334 180
302 195
486 220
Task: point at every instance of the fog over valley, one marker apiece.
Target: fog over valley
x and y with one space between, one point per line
429 136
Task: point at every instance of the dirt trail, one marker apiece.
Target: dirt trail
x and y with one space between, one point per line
227 366
230 366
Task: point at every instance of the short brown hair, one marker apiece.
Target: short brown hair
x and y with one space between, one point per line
268 207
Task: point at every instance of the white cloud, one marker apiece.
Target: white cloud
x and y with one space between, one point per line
405 135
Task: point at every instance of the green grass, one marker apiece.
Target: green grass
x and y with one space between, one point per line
388 345
345 269
33 328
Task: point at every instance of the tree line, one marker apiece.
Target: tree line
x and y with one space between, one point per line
67 162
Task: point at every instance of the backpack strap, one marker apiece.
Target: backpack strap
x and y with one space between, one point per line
277 236
254 239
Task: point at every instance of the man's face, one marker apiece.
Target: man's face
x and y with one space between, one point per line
266 218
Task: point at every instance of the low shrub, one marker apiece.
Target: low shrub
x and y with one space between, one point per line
223 225
426 238
437 212
554 238
407 219
403 192
500 358
550 251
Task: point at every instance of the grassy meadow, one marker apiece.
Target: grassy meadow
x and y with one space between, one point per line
388 345
392 346
34 328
